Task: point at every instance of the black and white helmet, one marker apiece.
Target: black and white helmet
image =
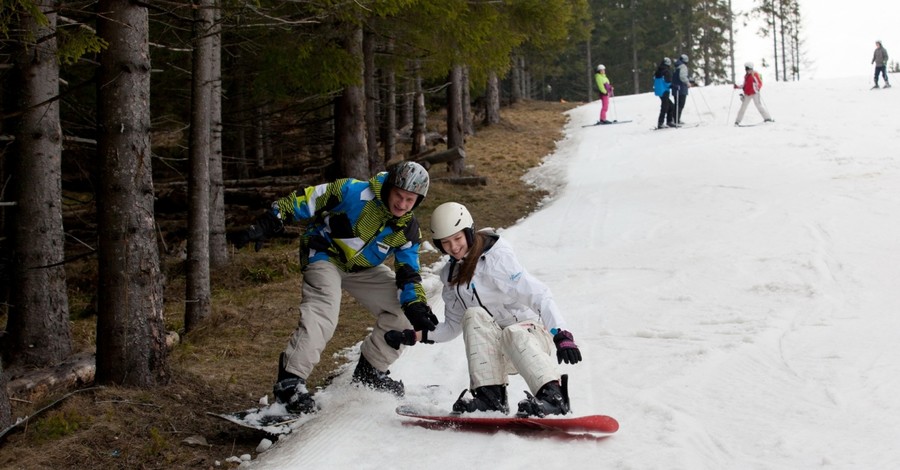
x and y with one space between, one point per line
683 57
450 218
409 176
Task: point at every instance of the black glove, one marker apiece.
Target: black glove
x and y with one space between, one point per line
421 316
566 349
264 227
395 338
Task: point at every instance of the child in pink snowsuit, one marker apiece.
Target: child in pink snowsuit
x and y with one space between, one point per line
606 91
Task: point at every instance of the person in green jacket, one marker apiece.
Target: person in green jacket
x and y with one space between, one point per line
606 92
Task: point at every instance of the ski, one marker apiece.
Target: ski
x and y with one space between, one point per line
483 421
610 122
752 125
680 126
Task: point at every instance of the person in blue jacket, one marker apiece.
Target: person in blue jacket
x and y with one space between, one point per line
353 226
680 84
662 86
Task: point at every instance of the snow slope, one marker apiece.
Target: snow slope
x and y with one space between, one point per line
734 292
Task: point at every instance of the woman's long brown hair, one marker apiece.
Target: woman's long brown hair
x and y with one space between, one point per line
467 265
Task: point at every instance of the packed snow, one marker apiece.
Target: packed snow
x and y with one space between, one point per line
734 292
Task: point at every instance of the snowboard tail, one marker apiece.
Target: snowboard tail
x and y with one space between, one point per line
271 419
581 424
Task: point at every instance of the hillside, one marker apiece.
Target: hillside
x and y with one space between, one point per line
231 362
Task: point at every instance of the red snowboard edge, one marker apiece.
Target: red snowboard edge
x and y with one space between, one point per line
591 423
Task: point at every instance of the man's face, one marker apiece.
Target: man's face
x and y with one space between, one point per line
401 201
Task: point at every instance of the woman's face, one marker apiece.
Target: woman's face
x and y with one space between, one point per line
456 245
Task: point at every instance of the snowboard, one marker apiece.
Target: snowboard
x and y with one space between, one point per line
610 123
270 419
575 425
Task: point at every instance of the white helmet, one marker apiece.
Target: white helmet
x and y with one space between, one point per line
601 67
748 65
683 57
450 218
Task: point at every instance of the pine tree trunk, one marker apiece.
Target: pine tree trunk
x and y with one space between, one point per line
131 339
516 90
218 245
455 135
407 102
492 100
466 101
420 116
371 104
197 288
38 321
350 124
6 418
389 111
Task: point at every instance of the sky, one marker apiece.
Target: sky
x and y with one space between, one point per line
839 37
733 292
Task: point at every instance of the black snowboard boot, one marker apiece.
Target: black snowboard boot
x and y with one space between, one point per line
486 398
366 374
291 391
551 399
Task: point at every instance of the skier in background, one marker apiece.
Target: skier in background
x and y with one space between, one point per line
662 86
752 85
606 92
880 59
680 83
508 319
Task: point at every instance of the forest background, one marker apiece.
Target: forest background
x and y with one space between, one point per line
135 135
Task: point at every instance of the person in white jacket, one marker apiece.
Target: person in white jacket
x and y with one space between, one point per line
508 319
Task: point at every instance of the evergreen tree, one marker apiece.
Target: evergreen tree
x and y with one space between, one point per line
131 346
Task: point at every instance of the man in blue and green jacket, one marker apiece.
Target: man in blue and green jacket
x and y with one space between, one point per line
353 226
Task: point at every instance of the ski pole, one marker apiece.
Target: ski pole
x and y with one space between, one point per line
697 109
677 112
730 104
615 110
706 103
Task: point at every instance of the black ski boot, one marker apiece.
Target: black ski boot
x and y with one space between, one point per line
366 374
290 390
486 398
551 399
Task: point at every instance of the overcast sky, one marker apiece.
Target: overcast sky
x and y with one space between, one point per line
839 37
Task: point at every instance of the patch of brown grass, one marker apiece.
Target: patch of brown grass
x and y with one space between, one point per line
231 361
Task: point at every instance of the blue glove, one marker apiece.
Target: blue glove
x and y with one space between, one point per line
566 349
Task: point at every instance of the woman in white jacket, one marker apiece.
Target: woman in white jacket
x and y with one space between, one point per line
508 318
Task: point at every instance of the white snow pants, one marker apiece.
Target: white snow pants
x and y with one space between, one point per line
759 107
494 353
320 307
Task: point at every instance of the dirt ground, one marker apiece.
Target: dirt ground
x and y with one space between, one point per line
231 361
